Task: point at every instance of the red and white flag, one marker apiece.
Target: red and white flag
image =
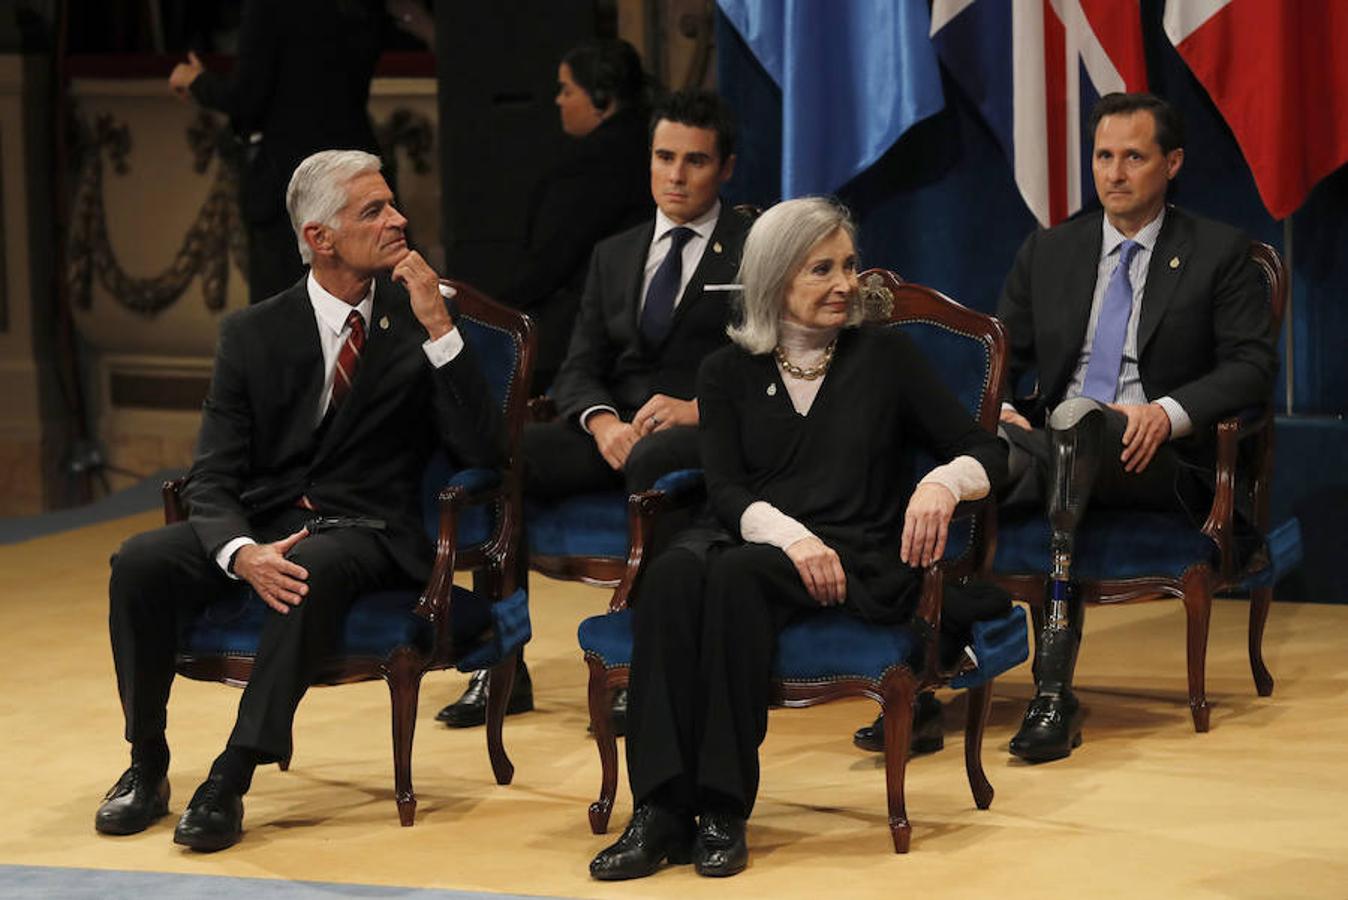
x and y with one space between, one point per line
1035 68
1278 71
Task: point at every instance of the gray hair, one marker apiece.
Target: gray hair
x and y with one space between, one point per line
317 190
774 252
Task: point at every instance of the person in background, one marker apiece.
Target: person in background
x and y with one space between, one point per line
596 188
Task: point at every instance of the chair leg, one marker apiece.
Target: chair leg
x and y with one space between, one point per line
283 764
499 685
980 704
899 692
1197 587
601 724
404 684
1260 601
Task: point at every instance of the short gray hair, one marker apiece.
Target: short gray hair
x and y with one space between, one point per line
317 190
774 251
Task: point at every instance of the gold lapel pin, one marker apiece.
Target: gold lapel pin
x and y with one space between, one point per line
1174 262
772 390
383 323
716 247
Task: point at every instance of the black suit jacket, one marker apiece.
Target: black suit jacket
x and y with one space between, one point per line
259 450
609 363
302 79
1204 334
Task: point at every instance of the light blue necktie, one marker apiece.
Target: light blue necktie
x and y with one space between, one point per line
1111 330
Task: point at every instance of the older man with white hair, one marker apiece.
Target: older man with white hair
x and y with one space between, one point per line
326 399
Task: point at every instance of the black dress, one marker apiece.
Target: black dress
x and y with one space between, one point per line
708 610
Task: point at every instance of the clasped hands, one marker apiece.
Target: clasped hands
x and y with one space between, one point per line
926 523
1147 429
616 438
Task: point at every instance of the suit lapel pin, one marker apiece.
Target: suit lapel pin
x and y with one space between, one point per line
1174 262
772 390
383 323
716 247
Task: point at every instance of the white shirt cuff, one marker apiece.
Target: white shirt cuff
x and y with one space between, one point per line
585 416
1180 424
763 523
226 553
444 348
963 476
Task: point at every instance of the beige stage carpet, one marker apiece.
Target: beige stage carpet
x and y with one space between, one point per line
1146 808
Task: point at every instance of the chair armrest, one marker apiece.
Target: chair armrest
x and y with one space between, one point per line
676 490
1249 423
175 510
467 487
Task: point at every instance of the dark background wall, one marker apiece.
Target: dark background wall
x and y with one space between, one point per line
941 208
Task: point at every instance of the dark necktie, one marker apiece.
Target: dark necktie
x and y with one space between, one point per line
658 310
348 360
1111 330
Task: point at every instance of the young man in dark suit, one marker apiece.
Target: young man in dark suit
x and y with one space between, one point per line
327 399
625 393
1148 320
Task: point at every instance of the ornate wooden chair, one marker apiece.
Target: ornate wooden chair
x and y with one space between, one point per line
1123 556
472 516
828 655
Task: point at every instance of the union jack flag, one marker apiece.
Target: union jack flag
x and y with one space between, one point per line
1035 68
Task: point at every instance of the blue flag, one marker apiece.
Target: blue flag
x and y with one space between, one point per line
854 74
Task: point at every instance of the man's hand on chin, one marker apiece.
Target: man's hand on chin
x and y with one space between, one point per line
423 286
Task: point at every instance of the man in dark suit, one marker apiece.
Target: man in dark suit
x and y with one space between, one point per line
327 399
1146 325
625 393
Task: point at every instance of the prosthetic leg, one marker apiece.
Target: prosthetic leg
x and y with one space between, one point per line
1052 724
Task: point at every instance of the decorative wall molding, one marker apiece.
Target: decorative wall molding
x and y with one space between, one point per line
411 132
213 238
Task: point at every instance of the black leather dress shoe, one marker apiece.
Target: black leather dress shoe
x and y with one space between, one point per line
1050 730
928 734
213 819
135 802
654 835
470 710
617 713
720 849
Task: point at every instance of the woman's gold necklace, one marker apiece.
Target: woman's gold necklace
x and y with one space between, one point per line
809 373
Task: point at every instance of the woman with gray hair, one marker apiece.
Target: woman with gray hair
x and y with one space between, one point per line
804 423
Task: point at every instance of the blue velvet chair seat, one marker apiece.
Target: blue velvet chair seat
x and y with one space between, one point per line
584 525
377 624
1111 544
831 644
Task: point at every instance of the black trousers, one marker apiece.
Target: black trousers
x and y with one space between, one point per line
704 634
561 460
274 262
1167 484
161 578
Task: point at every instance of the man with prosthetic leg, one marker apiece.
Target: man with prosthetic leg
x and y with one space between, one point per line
1145 325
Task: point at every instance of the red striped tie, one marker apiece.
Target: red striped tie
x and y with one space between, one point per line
348 360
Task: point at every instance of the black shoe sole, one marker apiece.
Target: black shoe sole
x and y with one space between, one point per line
121 829
1047 754
211 843
453 718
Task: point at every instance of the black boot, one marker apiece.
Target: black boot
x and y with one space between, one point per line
471 709
1051 728
928 734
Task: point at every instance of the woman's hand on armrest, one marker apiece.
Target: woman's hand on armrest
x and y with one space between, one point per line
926 523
